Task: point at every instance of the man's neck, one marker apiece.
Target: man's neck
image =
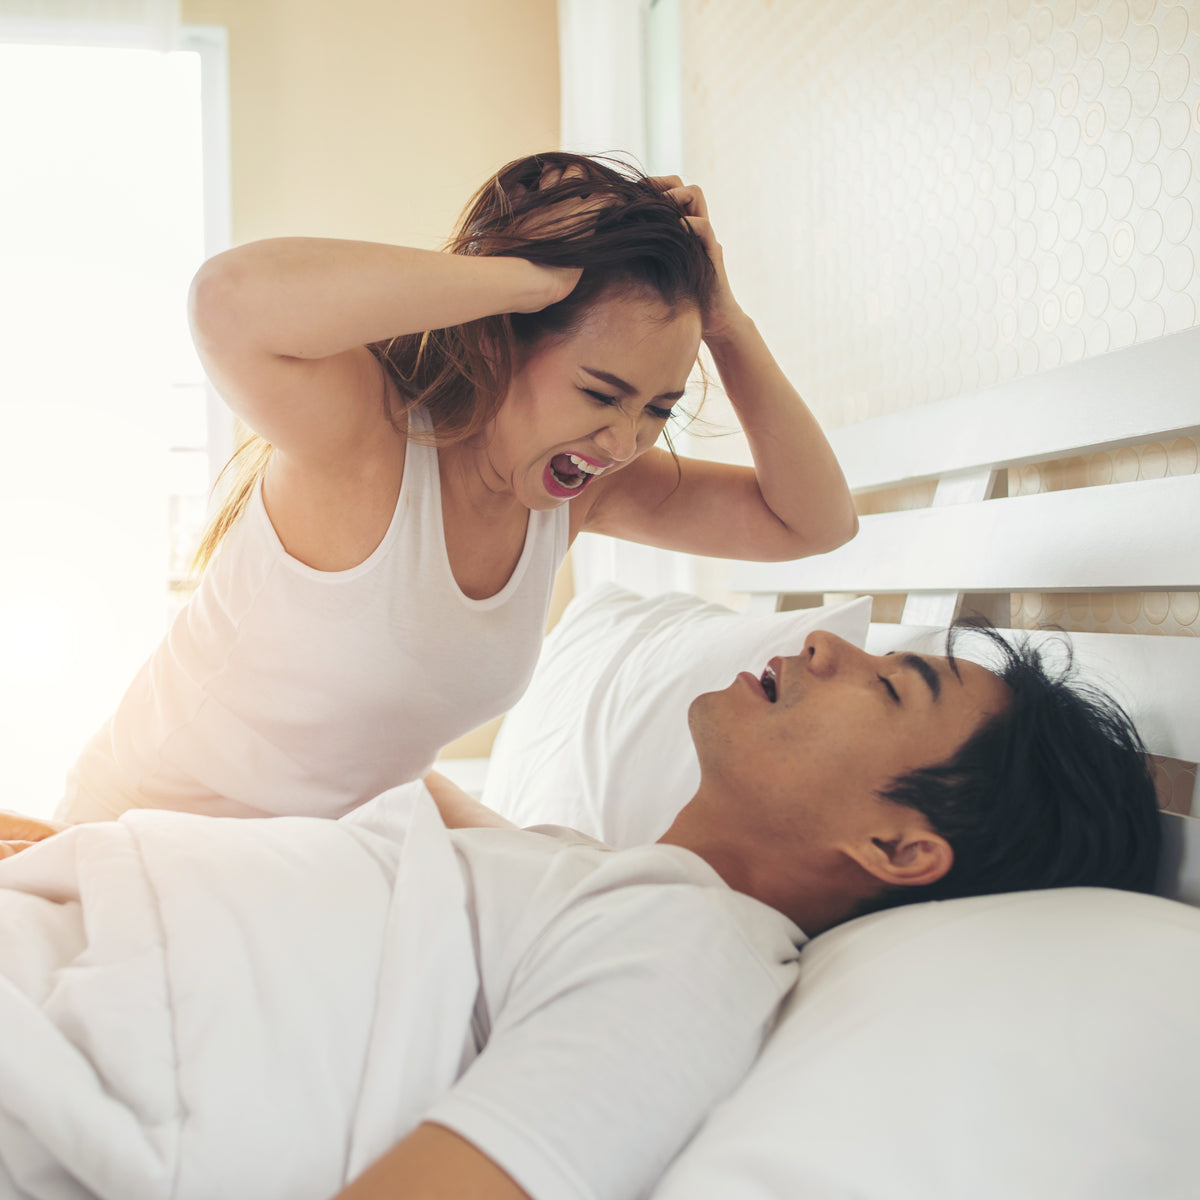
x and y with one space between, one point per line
815 889
721 854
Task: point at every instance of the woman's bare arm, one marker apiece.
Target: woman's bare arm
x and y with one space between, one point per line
280 327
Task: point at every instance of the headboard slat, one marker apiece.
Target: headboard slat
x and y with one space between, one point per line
1139 394
1179 875
1143 536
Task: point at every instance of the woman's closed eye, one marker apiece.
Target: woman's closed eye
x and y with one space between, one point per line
891 691
600 397
654 410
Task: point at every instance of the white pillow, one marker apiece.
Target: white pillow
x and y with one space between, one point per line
1032 1046
599 742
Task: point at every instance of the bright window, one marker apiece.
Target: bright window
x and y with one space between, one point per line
104 459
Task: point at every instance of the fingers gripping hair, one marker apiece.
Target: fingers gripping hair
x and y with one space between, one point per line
593 212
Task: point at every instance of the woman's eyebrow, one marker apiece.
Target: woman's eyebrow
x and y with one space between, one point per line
627 388
915 662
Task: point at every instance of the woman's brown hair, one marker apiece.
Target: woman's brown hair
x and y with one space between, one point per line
555 209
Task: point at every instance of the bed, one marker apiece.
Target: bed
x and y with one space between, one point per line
1034 1045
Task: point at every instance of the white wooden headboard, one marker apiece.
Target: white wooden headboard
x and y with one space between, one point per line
1141 536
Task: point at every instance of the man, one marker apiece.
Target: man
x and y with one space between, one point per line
618 995
875 781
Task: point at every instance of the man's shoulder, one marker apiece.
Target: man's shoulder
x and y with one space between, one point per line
670 899
549 890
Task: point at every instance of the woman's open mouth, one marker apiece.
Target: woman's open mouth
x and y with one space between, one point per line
566 475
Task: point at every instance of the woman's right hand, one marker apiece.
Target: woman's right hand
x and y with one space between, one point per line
571 211
549 221
558 283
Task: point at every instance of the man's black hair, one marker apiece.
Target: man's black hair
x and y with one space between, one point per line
1056 791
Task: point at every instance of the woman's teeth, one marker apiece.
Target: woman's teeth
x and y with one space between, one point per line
571 471
586 467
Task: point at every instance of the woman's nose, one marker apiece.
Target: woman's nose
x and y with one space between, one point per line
618 438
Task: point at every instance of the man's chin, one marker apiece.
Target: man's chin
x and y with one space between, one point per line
700 713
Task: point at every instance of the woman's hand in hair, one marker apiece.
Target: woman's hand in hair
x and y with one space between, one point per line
577 209
557 284
547 223
725 310
550 219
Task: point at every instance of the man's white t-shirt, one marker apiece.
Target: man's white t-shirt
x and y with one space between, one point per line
623 994
220 1007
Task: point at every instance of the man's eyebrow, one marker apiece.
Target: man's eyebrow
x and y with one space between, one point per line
926 671
627 388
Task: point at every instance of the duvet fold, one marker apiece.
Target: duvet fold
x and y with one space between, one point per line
196 1007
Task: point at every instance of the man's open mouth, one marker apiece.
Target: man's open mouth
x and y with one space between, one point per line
767 679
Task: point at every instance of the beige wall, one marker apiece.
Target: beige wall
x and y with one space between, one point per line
377 119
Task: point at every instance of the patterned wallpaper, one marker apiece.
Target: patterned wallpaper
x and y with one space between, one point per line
920 198
928 197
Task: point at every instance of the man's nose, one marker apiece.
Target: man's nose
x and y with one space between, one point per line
826 654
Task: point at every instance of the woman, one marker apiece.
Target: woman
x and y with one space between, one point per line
434 429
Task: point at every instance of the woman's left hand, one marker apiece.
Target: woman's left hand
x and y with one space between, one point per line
725 310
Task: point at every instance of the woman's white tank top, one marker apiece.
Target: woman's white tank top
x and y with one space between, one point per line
281 689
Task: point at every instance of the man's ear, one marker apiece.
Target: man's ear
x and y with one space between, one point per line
912 857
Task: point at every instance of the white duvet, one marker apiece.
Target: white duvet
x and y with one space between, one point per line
201 1008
